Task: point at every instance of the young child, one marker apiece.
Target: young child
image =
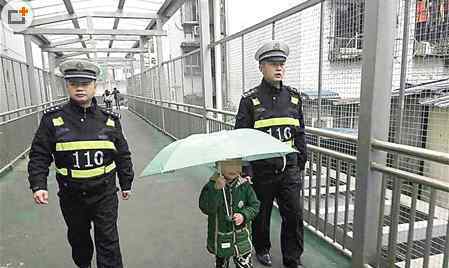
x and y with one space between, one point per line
229 227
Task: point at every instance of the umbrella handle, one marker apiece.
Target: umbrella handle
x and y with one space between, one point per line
224 193
226 202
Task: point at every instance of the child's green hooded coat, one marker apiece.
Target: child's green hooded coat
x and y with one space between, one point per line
224 238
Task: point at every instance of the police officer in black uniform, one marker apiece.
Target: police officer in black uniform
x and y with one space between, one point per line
89 149
275 108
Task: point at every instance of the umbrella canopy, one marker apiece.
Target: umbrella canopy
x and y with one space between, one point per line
201 149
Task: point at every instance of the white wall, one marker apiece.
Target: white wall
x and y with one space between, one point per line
171 43
11 45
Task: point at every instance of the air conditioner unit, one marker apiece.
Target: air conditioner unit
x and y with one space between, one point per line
350 52
326 122
196 30
423 49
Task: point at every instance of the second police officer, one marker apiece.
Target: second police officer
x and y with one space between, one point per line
89 149
275 108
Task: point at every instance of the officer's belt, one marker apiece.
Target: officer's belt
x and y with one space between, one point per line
279 121
86 173
84 145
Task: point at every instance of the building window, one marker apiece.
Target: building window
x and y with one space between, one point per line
192 65
347 26
431 28
189 11
431 20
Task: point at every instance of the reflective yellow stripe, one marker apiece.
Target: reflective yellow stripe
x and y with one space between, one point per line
84 145
92 172
88 173
62 171
279 121
110 123
256 101
58 121
295 100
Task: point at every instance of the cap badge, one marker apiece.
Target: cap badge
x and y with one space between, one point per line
277 45
80 66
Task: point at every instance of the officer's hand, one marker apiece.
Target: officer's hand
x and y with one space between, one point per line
126 195
238 218
220 182
41 197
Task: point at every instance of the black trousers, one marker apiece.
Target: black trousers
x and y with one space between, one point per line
79 213
285 187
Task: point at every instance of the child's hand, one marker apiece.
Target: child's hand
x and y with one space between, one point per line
248 179
220 182
238 218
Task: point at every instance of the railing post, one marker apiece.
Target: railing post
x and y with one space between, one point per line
30 67
206 67
142 64
218 58
375 101
51 71
159 70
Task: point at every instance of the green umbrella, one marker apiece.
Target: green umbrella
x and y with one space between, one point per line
201 149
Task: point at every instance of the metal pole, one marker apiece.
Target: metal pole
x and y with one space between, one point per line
133 79
206 67
169 87
142 64
159 69
320 69
393 235
243 63
46 86
31 79
218 55
374 110
182 77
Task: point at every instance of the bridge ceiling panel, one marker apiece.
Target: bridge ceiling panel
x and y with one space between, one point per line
128 24
122 44
51 9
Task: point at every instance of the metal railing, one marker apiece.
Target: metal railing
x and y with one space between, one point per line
20 107
330 182
17 129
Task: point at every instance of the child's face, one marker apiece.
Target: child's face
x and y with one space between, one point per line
231 169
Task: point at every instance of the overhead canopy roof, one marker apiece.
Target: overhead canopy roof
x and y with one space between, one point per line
125 16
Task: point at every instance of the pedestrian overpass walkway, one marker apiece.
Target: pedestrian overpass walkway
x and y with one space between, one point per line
160 226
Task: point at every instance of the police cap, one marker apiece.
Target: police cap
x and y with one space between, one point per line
272 51
79 70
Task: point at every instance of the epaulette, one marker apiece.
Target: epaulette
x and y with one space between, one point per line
294 90
53 109
250 92
112 114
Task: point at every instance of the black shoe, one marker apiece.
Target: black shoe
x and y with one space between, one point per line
264 259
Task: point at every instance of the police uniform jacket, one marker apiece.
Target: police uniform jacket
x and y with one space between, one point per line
88 147
277 111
